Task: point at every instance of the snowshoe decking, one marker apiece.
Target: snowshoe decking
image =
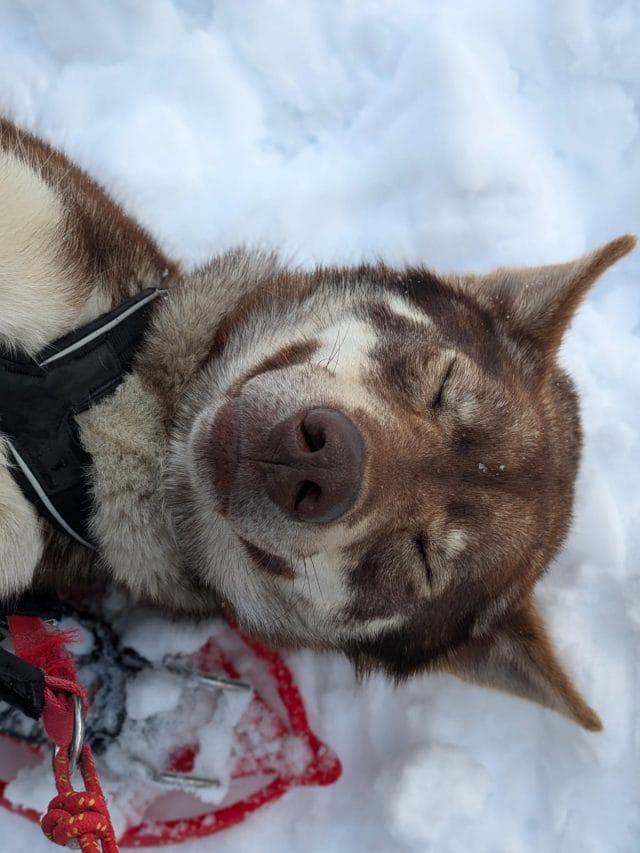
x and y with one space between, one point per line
189 741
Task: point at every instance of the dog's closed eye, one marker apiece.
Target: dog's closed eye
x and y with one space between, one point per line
438 400
420 545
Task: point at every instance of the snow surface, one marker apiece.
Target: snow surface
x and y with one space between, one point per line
464 135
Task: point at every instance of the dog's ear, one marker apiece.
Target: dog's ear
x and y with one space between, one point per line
518 657
537 303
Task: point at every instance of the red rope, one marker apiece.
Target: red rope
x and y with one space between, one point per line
73 817
36 643
79 816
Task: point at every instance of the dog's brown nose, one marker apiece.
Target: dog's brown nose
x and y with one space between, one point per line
313 464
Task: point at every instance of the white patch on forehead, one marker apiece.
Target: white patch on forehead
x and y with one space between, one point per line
467 409
454 541
344 348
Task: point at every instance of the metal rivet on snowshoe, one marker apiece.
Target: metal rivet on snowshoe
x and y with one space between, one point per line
169 777
173 665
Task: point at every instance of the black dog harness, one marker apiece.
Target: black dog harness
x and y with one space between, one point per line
40 398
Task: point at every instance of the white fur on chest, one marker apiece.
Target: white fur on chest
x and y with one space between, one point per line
127 439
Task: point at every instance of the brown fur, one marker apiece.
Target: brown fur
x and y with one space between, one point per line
106 248
471 432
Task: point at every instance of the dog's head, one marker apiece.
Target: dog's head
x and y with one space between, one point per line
383 462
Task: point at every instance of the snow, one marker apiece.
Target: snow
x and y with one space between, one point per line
152 693
463 135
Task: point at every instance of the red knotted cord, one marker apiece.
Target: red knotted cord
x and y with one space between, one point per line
74 817
79 816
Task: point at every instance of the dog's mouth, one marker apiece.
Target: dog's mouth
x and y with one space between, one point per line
309 465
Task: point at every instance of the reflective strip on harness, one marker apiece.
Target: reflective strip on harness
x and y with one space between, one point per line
40 398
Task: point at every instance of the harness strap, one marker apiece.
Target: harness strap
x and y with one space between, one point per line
39 401
21 684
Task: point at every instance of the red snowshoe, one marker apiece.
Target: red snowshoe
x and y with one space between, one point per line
192 728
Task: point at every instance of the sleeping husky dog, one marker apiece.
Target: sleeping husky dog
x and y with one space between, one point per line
371 460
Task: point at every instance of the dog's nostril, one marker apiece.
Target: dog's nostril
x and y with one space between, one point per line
312 435
307 497
312 463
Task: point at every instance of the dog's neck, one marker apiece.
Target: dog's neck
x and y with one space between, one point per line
128 435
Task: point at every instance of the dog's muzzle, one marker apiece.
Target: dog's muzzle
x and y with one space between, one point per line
310 465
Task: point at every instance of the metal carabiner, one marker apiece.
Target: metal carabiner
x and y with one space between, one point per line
77 738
